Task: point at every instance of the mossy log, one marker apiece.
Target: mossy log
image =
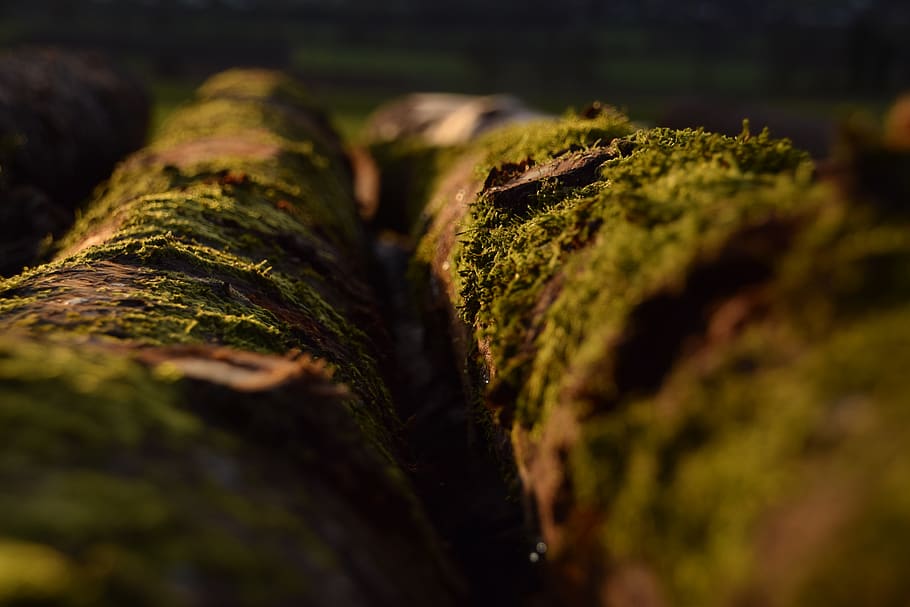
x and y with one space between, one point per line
192 391
698 351
65 119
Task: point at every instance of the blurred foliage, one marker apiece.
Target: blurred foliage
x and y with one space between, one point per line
357 54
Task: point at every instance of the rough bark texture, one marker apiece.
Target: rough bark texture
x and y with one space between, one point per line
65 119
167 442
698 352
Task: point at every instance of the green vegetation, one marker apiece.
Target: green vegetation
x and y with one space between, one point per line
696 347
147 464
671 196
209 222
698 354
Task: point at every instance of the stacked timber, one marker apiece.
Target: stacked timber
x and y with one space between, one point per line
695 350
192 394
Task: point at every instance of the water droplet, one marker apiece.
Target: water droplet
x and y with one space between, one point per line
533 557
541 548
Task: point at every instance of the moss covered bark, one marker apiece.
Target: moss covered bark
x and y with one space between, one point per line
176 448
698 352
65 119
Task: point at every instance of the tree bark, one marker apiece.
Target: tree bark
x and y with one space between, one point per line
697 351
194 388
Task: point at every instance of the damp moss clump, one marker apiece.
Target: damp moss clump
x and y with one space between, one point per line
698 354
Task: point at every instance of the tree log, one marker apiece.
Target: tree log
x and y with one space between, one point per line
698 352
193 389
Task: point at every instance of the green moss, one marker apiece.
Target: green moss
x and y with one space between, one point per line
268 169
690 477
287 194
125 484
251 250
730 338
608 244
165 290
229 116
129 485
544 139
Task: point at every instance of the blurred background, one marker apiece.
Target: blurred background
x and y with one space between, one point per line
678 63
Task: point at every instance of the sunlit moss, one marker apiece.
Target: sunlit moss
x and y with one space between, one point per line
109 484
728 336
